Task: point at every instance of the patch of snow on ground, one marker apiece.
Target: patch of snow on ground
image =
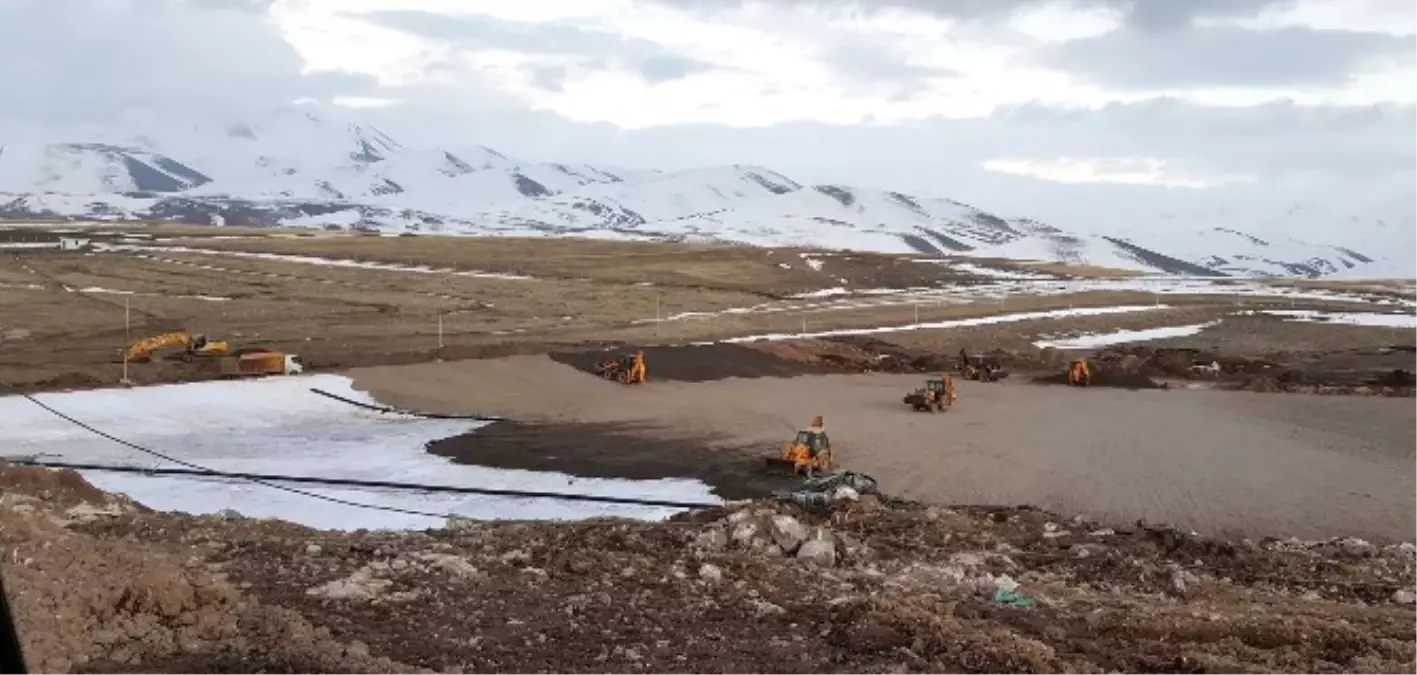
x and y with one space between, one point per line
813 263
1408 321
317 260
952 323
1123 336
993 273
277 426
112 291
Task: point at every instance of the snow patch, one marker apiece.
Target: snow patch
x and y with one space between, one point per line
1094 340
953 323
1408 321
277 426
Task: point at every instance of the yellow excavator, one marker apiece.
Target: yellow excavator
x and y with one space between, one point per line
192 345
808 452
936 396
628 369
1080 373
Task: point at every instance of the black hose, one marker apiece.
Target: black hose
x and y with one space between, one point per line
412 413
354 482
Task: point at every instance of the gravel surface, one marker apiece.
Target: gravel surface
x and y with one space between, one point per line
1222 463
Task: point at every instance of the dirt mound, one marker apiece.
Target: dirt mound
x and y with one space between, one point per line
107 605
697 363
735 589
612 451
1107 378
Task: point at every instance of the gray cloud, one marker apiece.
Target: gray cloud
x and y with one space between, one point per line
877 66
164 56
1225 56
1150 15
588 48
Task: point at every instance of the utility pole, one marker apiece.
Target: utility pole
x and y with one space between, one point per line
127 339
440 333
917 312
656 308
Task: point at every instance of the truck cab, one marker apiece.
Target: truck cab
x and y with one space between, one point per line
293 364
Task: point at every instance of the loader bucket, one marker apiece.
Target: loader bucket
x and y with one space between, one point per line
780 466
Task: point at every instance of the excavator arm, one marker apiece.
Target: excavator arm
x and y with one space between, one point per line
199 345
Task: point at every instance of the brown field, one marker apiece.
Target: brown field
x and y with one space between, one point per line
64 312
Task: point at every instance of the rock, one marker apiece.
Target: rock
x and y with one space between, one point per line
1104 532
398 564
1005 582
230 514
713 540
1403 596
1182 580
710 573
762 608
357 648
787 533
313 549
818 551
361 585
516 556
454 565
744 533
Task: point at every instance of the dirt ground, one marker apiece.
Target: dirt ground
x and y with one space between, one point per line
1222 463
101 585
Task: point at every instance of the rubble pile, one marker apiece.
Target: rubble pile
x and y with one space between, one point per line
868 584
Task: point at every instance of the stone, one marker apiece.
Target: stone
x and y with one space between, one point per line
710 573
313 549
787 533
713 540
1403 596
818 551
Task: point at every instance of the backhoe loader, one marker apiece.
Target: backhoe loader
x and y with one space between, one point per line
936 396
1080 373
986 369
192 345
628 369
808 452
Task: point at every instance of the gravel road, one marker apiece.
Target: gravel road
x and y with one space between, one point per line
1222 463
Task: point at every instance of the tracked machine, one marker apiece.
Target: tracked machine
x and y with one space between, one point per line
808 453
935 396
627 369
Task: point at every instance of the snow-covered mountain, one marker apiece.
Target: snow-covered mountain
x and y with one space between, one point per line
297 167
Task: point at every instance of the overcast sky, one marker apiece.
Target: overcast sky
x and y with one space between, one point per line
1078 109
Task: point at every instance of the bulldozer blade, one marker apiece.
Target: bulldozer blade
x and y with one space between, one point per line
778 465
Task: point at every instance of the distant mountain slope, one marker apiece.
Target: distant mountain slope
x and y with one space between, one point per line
297 167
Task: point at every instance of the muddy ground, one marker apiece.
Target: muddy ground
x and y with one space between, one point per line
101 585
613 451
1223 463
698 363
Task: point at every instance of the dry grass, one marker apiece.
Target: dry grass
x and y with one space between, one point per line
582 291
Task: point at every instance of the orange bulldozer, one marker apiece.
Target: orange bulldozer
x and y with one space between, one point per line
808 452
1080 373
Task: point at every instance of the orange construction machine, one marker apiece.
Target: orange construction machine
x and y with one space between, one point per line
628 369
936 396
1080 373
808 452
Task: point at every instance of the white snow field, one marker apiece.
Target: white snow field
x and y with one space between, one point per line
1407 321
952 323
278 426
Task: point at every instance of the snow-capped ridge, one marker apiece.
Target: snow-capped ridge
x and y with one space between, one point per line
299 166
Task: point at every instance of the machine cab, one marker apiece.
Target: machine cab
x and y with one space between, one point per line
293 365
937 386
815 440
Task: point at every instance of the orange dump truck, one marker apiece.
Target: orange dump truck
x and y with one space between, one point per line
260 363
